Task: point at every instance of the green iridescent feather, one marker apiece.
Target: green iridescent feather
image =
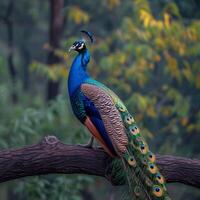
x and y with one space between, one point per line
137 165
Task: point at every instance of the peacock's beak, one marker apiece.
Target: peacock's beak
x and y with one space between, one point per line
72 48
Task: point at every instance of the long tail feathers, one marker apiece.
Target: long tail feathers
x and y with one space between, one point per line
143 177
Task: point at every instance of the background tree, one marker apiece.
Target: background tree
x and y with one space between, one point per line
55 35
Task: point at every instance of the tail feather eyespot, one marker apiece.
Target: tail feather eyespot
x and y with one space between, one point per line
152 168
144 161
151 157
134 130
160 178
157 191
132 161
129 119
143 148
132 119
121 108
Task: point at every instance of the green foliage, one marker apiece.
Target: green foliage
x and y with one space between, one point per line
49 187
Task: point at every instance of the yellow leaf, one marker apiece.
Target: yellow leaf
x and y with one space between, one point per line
146 21
159 25
182 49
184 121
167 20
149 20
156 58
122 58
77 15
63 71
113 3
187 72
172 65
160 42
146 17
151 111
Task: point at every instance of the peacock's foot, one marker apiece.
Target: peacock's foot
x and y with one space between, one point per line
89 144
86 145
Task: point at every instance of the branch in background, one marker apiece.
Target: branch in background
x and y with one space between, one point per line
52 156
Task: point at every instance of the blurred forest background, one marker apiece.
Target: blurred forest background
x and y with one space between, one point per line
148 52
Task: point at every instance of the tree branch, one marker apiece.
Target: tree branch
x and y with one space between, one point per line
52 156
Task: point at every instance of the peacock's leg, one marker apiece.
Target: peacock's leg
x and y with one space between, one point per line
89 144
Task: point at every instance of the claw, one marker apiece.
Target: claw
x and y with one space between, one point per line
89 144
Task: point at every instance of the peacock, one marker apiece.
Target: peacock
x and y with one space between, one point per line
111 124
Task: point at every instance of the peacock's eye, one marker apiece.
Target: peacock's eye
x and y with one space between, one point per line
151 157
131 118
137 129
152 168
121 108
132 161
143 148
157 191
134 130
144 161
128 120
160 178
80 45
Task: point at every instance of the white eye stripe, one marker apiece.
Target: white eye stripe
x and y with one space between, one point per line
81 46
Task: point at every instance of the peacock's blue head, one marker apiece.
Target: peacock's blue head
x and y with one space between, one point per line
79 45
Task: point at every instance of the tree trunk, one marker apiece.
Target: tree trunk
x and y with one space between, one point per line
9 24
55 32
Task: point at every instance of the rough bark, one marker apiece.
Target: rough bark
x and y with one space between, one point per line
52 156
55 32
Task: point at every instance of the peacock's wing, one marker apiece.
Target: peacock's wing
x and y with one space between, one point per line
98 131
110 116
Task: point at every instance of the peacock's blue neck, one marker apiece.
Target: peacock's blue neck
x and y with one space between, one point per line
78 73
